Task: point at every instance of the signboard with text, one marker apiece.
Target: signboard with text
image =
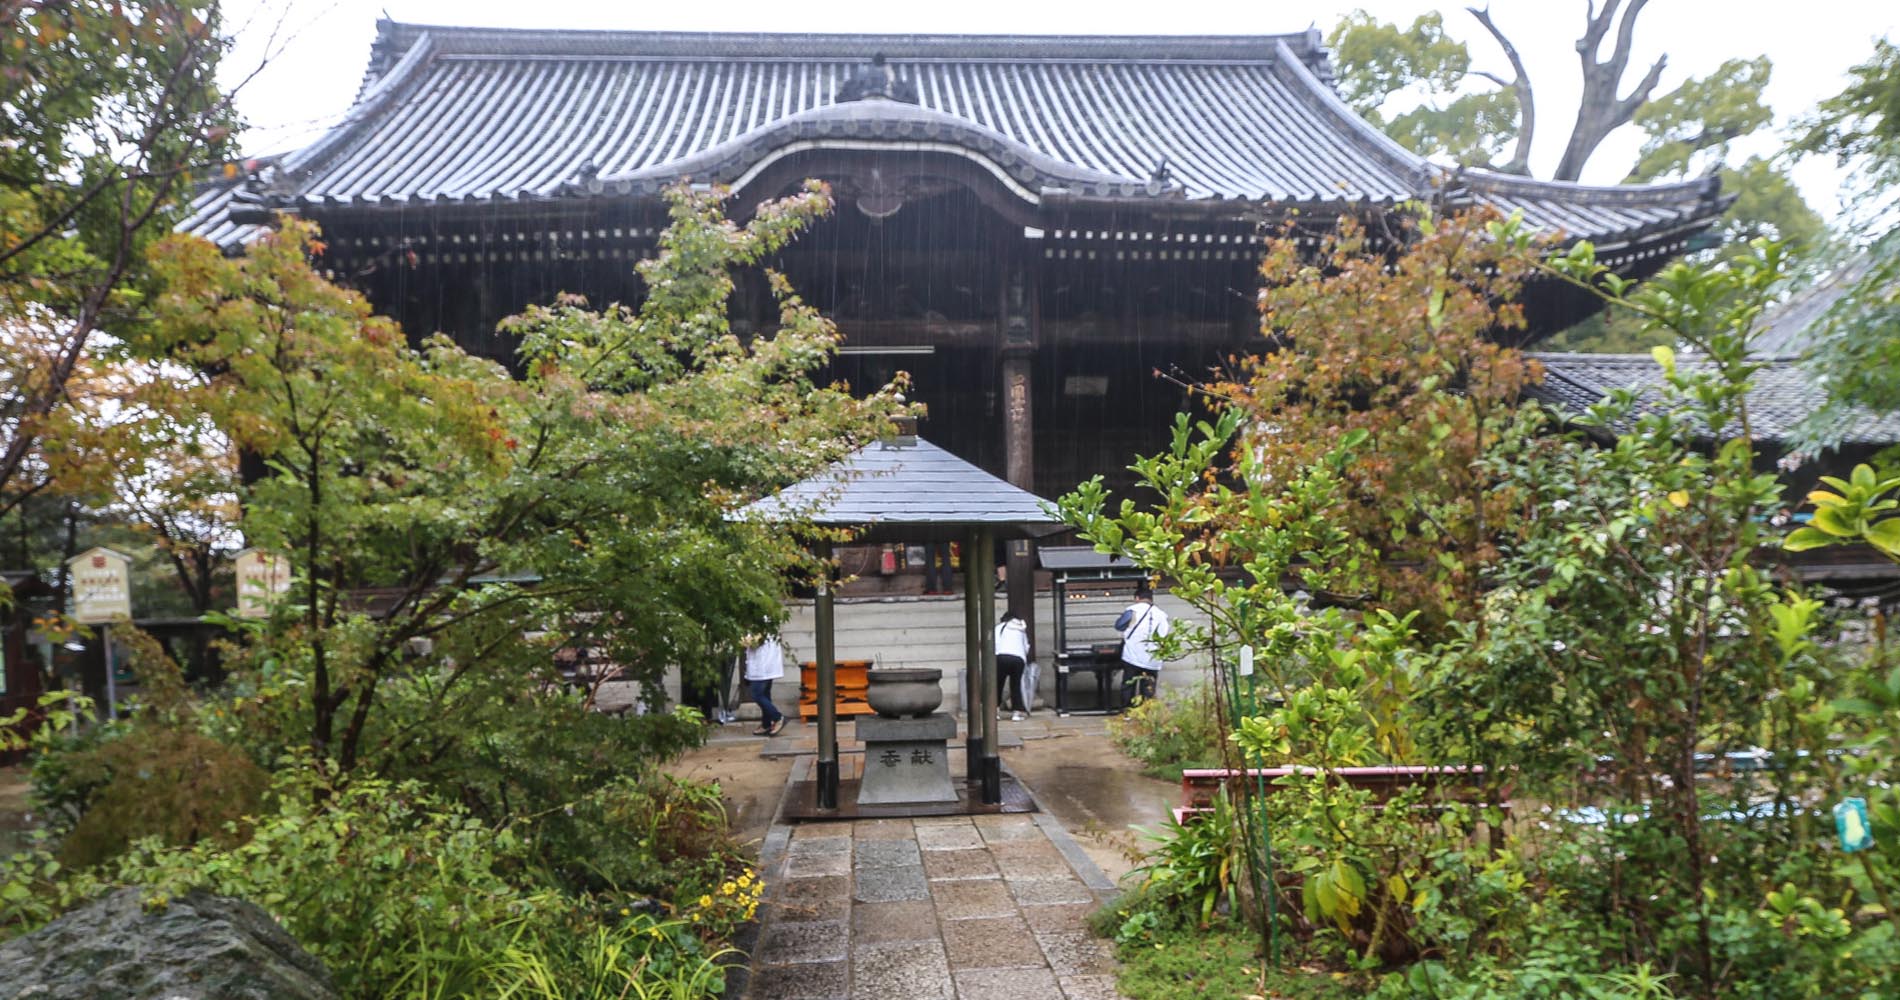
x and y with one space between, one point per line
102 586
261 579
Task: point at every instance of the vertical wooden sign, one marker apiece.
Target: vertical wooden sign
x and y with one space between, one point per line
102 586
261 579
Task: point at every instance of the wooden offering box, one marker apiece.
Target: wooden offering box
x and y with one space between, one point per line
853 682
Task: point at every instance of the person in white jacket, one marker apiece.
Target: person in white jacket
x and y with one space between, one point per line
1012 654
765 663
1140 625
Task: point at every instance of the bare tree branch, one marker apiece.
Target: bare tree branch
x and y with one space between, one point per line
1520 162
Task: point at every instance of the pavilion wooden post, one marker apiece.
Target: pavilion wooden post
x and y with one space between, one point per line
990 768
974 720
824 624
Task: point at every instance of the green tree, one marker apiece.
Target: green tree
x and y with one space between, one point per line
1397 349
106 108
422 494
1860 126
1686 130
1858 351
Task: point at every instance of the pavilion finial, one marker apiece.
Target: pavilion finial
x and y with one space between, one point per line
903 421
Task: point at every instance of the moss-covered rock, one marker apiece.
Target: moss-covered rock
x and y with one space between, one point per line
196 947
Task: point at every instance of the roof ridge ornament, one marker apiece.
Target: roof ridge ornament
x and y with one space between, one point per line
876 82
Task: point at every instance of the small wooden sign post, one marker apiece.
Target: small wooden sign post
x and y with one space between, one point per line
102 594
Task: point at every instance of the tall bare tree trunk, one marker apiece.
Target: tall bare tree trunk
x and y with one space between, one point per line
1600 111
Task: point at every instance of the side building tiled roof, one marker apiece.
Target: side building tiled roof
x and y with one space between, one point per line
452 115
1784 394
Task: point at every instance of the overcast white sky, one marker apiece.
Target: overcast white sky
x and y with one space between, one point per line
317 48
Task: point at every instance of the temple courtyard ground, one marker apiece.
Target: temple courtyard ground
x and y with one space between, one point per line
940 908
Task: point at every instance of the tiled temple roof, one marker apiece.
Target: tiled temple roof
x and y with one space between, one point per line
1784 394
452 115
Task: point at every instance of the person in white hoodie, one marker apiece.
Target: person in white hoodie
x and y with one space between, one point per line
1140 625
765 663
1012 654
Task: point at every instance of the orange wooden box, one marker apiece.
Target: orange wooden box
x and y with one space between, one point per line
853 684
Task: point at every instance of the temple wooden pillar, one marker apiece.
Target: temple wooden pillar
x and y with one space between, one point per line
1020 323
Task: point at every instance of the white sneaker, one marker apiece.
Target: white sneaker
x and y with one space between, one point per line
1016 717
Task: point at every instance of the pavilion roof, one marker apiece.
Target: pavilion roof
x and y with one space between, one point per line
456 115
907 489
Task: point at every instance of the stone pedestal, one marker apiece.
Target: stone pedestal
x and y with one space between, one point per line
906 760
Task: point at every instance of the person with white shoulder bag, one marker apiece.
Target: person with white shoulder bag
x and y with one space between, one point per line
1140 624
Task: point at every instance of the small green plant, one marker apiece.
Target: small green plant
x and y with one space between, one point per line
637 958
1197 864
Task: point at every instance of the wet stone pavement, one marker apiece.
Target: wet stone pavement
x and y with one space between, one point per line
944 908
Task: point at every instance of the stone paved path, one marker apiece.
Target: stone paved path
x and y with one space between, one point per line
948 908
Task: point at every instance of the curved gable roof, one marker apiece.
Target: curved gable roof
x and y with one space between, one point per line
451 114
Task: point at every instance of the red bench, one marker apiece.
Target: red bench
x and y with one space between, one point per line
1462 782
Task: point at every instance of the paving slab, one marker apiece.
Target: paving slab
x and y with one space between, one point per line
879 829
814 864
1006 984
992 943
1043 891
904 920
826 981
825 897
947 865
1088 988
949 838
795 943
962 900
886 854
1059 917
888 885
905 971
1043 862
1076 953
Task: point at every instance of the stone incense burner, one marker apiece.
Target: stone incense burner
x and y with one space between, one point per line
905 693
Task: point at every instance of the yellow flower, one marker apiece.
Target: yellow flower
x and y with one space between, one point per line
625 912
705 901
745 880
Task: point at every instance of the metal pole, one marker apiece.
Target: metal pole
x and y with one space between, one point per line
974 721
823 624
112 669
992 768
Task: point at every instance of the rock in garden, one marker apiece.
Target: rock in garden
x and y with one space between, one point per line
199 947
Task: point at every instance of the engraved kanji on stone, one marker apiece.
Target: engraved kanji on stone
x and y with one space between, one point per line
922 756
891 758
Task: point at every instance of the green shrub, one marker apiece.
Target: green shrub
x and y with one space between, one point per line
169 784
1179 729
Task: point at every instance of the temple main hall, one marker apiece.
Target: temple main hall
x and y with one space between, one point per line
1051 234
